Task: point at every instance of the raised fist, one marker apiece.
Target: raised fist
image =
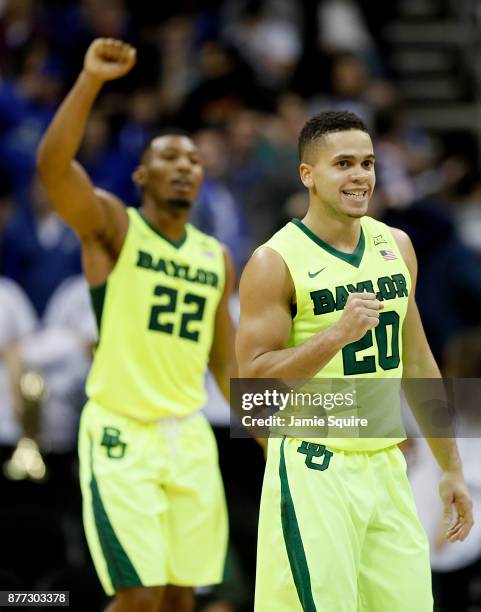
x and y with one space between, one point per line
361 313
107 59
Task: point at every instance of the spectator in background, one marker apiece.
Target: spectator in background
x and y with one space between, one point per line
277 133
61 351
6 206
232 11
71 26
405 165
351 87
178 76
217 212
248 168
141 123
460 184
18 23
109 166
262 173
271 45
39 250
342 28
449 277
27 102
45 513
17 320
225 85
410 181
468 212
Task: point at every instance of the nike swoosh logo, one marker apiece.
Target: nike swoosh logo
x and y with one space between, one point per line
314 274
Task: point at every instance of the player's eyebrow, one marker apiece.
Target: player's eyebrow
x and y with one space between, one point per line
350 156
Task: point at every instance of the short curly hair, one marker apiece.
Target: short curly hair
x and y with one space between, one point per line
326 123
166 131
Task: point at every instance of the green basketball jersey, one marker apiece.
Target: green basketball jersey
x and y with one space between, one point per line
324 277
156 316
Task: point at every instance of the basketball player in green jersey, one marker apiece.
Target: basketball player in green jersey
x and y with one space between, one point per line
154 509
338 530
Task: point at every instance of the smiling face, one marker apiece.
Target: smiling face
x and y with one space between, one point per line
338 170
170 170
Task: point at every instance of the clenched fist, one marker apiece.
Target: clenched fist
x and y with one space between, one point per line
107 59
361 313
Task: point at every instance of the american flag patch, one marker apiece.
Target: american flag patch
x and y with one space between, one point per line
388 254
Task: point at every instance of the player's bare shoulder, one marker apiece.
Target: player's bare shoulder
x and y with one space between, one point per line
406 247
401 237
266 274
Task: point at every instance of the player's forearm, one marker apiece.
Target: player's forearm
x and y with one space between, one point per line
429 404
302 361
426 395
445 451
422 365
222 374
62 140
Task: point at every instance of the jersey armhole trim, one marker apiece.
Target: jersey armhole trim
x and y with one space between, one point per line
97 298
292 305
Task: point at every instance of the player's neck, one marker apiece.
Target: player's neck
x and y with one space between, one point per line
169 220
342 234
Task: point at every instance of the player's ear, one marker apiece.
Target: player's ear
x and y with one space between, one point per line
139 175
305 170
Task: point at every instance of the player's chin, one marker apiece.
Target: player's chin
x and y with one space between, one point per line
180 203
187 194
357 213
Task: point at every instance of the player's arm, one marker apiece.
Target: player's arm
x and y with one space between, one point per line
418 362
222 361
90 212
266 295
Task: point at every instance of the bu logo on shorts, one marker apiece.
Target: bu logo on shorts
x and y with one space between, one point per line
311 449
114 445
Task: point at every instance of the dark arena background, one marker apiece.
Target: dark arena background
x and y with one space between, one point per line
242 76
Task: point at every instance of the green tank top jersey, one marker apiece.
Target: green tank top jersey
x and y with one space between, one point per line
323 278
156 316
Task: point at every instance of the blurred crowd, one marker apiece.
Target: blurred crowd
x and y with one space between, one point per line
243 76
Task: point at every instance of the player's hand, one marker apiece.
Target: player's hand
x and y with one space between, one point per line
454 493
361 313
107 59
